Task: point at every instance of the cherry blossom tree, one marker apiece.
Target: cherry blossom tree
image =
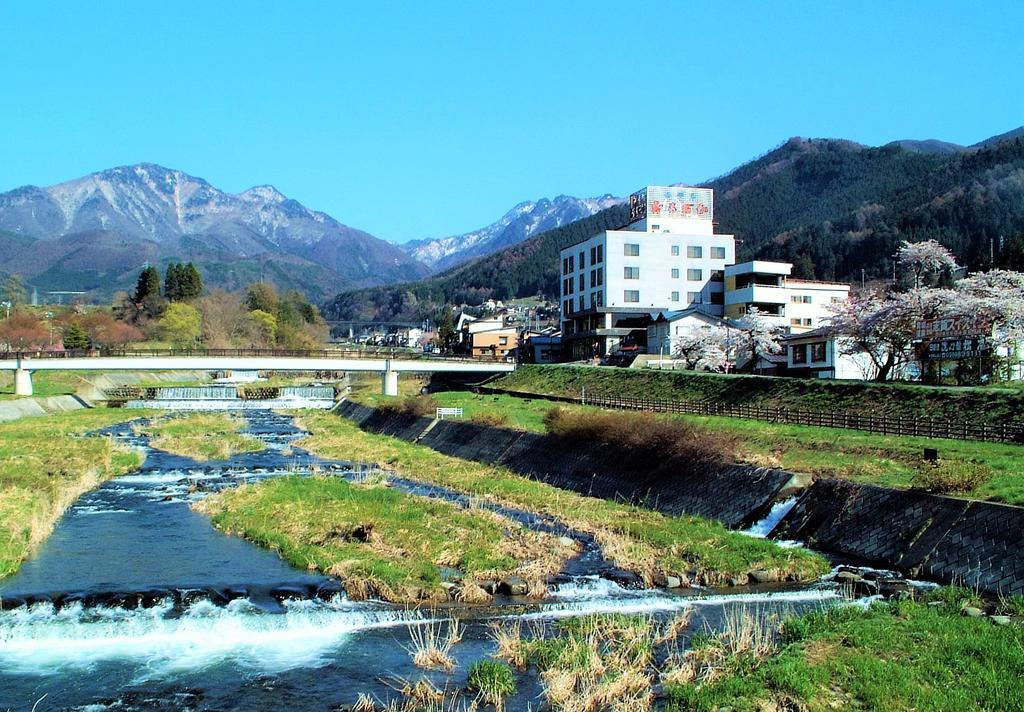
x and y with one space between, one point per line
883 326
758 334
928 261
704 347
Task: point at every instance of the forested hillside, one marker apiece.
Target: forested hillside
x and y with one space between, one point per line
831 207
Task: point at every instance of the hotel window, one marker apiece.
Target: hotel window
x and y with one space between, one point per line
675 296
593 299
694 275
583 282
836 300
572 263
600 253
675 250
692 297
582 303
593 255
631 272
631 249
694 251
600 276
808 322
631 295
799 353
794 322
797 299
565 265
600 299
675 273
718 253
593 278
583 259
818 351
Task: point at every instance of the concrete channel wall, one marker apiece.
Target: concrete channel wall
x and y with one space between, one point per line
976 544
737 495
971 543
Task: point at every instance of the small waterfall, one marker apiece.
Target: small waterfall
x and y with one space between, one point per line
778 512
197 393
43 639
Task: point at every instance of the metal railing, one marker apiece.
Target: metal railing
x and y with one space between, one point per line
384 352
881 424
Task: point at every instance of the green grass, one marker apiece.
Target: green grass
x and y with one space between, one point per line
44 383
885 460
203 436
493 681
978 405
638 539
44 468
379 541
898 656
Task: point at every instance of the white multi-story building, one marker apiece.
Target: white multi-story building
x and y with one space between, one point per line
667 257
799 304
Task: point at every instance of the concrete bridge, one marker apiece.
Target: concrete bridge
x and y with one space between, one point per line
24 364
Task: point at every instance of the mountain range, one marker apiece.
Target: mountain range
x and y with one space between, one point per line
524 220
836 209
95 233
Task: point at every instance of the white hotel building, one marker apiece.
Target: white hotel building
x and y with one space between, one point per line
668 258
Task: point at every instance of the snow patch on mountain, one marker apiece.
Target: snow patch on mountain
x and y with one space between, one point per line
520 223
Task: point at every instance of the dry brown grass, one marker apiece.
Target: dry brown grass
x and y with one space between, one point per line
648 441
431 644
752 634
511 647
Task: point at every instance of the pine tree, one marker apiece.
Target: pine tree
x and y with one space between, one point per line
173 283
147 299
75 339
191 282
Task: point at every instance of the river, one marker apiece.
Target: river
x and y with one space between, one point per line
137 603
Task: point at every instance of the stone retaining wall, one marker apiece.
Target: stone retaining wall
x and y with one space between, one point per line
976 544
737 495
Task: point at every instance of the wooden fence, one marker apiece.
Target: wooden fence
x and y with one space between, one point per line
882 424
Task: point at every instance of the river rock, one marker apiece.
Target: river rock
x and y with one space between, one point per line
1000 620
513 586
972 612
665 581
847 577
490 587
566 541
624 578
762 576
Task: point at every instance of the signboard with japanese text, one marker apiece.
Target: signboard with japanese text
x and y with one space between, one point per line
956 349
638 206
671 202
694 203
969 325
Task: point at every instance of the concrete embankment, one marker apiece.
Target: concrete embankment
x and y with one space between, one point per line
939 538
92 389
738 495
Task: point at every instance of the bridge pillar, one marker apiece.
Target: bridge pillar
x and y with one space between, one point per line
389 381
22 382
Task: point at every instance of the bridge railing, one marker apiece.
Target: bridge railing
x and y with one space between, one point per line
118 352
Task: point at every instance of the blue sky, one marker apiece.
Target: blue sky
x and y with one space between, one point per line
425 119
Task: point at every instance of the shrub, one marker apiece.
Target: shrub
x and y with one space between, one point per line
648 440
417 406
492 418
951 476
493 680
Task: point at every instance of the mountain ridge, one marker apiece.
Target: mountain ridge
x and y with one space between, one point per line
146 212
